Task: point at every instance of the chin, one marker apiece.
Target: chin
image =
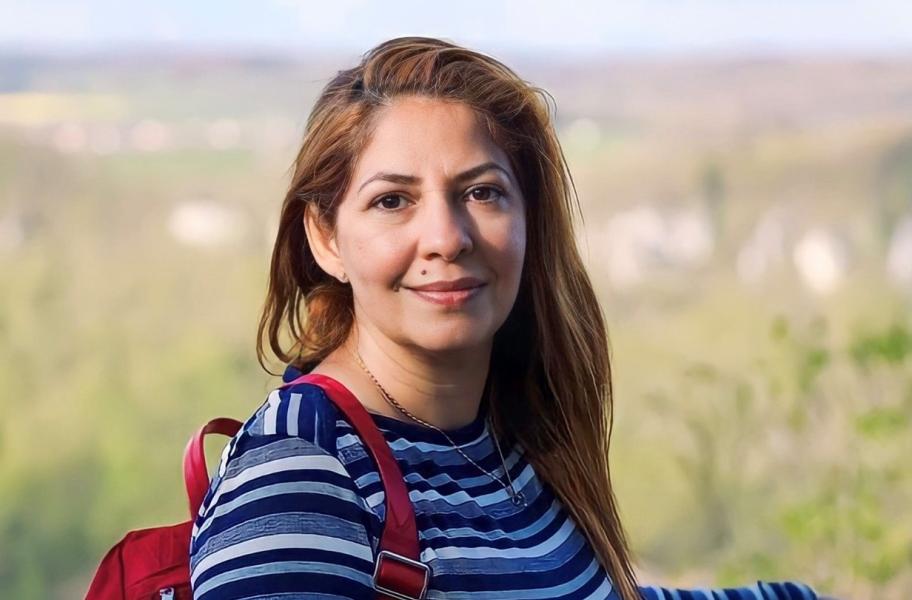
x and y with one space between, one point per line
453 339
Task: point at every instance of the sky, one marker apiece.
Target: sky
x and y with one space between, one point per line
562 27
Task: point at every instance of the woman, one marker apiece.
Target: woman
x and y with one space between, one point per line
425 259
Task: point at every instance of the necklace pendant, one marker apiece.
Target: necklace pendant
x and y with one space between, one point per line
518 499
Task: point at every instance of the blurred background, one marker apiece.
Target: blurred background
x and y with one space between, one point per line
745 175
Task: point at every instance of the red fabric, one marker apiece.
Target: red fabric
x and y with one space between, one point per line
147 562
402 577
401 537
144 563
400 532
196 475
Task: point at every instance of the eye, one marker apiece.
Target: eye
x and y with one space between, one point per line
389 202
489 193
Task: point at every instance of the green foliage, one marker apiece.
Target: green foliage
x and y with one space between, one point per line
811 468
883 422
891 346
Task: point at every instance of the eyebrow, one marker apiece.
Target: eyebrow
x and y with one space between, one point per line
412 180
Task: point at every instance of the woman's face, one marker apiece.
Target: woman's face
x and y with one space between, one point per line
433 204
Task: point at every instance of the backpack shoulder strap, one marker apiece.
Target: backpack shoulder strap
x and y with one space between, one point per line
398 572
196 475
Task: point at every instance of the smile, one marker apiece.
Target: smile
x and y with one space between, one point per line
449 297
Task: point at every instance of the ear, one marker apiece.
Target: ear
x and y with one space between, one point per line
322 242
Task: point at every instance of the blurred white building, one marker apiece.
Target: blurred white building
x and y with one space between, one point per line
899 254
821 259
150 135
636 244
205 223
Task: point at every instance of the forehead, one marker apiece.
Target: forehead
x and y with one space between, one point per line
417 134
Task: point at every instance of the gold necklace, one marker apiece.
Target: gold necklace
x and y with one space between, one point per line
516 497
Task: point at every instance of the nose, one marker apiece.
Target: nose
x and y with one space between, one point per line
446 229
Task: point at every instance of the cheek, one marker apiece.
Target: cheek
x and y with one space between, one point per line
508 250
516 241
375 258
519 242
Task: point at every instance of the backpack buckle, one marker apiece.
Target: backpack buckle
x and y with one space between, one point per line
408 577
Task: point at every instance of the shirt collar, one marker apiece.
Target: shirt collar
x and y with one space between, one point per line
291 373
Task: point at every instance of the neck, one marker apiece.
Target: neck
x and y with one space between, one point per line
443 389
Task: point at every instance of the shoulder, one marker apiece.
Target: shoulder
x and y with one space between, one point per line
288 442
302 410
298 420
294 428
282 488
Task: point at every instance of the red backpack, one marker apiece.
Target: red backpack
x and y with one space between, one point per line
154 563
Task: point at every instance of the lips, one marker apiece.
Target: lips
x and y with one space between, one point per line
449 293
463 283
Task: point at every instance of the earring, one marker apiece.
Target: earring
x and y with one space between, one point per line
343 277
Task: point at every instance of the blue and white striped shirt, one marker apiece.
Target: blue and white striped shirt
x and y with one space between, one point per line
296 511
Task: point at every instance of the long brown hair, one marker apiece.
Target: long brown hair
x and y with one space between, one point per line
549 384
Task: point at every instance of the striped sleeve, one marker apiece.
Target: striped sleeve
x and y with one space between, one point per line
283 518
760 591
